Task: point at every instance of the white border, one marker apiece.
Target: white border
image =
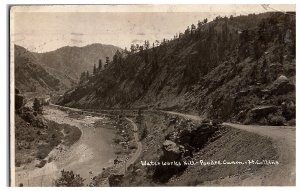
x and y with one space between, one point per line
4 80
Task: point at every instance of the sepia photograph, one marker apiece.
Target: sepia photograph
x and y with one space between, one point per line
152 95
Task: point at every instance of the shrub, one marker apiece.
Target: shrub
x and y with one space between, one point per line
73 134
292 122
43 151
18 163
276 120
41 164
144 133
37 106
69 179
132 146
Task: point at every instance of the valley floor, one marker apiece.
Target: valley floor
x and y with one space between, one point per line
95 151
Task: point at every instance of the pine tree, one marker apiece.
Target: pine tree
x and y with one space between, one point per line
100 65
187 31
82 77
106 62
37 106
95 69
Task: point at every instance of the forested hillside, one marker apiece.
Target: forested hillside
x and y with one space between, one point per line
238 68
57 70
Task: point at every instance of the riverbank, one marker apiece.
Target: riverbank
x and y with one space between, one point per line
87 157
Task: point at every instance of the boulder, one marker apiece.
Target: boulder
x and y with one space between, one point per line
17 91
19 101
172 120
171 151
281 85
262 111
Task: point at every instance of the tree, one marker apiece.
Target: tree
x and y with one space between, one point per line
95 69
126 51
147 44
82 77
100 65
37 106
141 48
157 42
205 20
193 29
132 48
87 75
117 57
187 31
257 50
180 35
106 62
69 179
144 133
199 24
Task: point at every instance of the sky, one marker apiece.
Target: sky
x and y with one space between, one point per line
46 28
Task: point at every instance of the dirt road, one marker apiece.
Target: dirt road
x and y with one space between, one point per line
284 140
139 144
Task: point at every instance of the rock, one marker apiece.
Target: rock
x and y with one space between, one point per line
172 120
242 93
19 101
282 78
138 170
205 121
281 85
171 151
263 111
17 91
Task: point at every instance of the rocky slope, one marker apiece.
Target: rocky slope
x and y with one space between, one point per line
56 70
238 68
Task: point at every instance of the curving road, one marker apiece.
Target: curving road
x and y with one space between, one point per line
139 144
284 140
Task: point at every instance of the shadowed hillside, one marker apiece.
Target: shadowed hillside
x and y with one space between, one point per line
56 70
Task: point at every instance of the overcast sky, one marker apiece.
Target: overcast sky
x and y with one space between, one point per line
42 29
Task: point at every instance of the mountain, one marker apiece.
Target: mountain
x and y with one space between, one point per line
30 76
72 61
238 68
57 70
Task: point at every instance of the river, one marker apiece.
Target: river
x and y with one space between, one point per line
87 157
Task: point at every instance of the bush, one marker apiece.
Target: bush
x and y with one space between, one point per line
132 146
69 179
144 133
37 106
43 151
73 134
18 163
41 164
292 122
276 120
